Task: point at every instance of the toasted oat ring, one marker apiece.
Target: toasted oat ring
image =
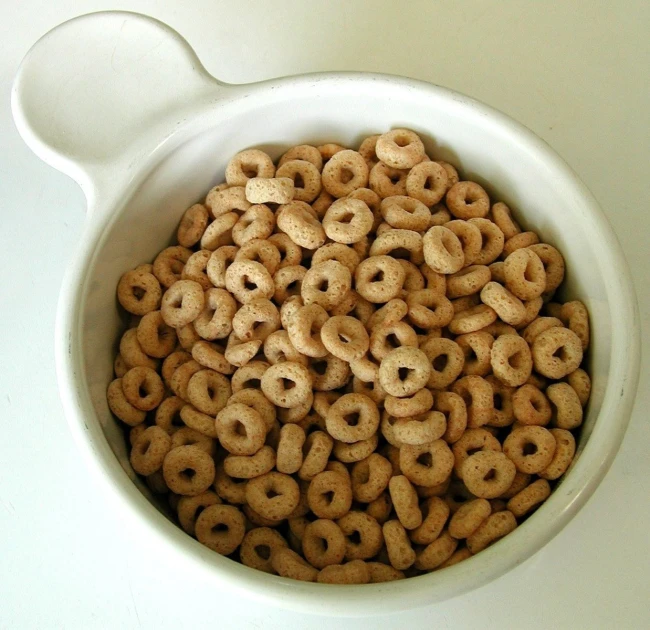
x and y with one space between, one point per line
370 477
386 181
211 355
198 421
195 268
296 220
228 200
215 320
502 216
256 320
347 220
414 280
426 464
530 406
566 408
576 316
379 279
289 564
488 474
326 284
169 263
381 508
415 365
187 336
316 451
250 466
278 348
511 360
497 271
581 383
139 292
290 252
531 448
557 352
239 352
531 309
563 456
502 400
405 502
398 545
494 527
228 488
344 172
168 415
479 399
289 456
470 239
355 452
468 281
274 388
339 252
149 450
435 513
189 509
368 532
186 436
181 378
472 440
241 429
439 214
446 359
524 274
258 546
352 418
467 200
212 522
442 250
192 225
273 495
345 337
390 313
420 430
262 190
400 148
519 241
435 554
188 470
553 264
529 498
405 213
492 241
248 376
219 232
248 164
182 303
410 406
208 391
329 495
455 411
288 282
119 366
328 373
367 150
304 152
398 244
256 223
154 336
256 400
306 179
477 350
289 308
248 280
143 388
538 326
305 330
427 182
508 307
323 543
429 309
220 260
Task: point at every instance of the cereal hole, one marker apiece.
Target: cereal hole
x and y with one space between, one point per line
320 367
188 474
529 448
403 373
328 496
440 362
352 419
249 284
263 551
425 459
220 528
287 383
138 293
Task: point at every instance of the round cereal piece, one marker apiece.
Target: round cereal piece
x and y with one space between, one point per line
278 348
502 216
239 352
286 384
256 320
248 164
186 436
139 292
458 556
289 564
220 259
256 223
169 263
538 326
511 360
492 241
250 466
577 318
345 337
520 481
208 391
452 173
502 400
303 152
553 264
248 376
436 553
508 307
241 429
221 528
556 352
181 378
479 399
427 182
149 450
336 251
215 320
345 172
443 251
524 272
248 280
182 303
328 373
414 280
290 252
405 502
581 383
380 509
273 495
531 448
256 400
435 513
211 355
219 232
565 404
352 418
300 225
305 176
192 225
428 309
529 498
487 474
229 489
469 517
404 371
258 547
426 464
563 456
195 268
400 148
316 451
446 359
289 455
353 572
420 430
347 220
439 214
472 441
532 309
262 251
361 527
189 509
379 279
329 495
470 239
350 453
497 271
413 407
495 527
143 388
119 366
384 338
226 201
398 546
477 349
468 281
288 283
530 406
453 407
323 543
198 421
168 415
121 407
398 244
386 181
188 470
370 478
392 312
467 200
405 213
154 336
329 150
367 150
326 284
187 336
518 241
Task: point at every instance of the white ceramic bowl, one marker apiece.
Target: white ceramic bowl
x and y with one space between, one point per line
121 103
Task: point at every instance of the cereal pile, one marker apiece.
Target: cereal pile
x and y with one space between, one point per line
351 368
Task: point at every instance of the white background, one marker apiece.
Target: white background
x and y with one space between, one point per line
576 72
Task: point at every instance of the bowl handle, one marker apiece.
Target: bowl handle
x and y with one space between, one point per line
101 91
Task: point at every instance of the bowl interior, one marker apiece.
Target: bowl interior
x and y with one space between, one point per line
486 147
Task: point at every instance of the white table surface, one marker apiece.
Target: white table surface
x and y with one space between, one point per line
576 72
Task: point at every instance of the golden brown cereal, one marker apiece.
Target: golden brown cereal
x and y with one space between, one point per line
511 360
241 429
469 517
370 477
442 250
455 411
154 336
329 495
446 359
219 232
347 220
192 225
289 454
288 283
529 498
467 200
368 531
239 352
323 543
296 220
139 292
553 264
195 268
273 495
405 502
349 453
379 278
472 319
262 251
495 527
418 430
256 223
169 263
168 414
581 383
502 216
286 384
386 181
226 201
316 451
256 320
470 239
436 553
398 546
181 378
143 388
531 448
458 556
564 451
471 441
221 528
566 407
384 338
220 260
531 406
478 396
404 371
426 464
491 240
248 280
198 421
149 450
352 418
258 547
248 164
121 407
228 488
288 563
556 352
502 395
524 273
477 349
400 148
189 509
523 239
468 281
508 307
488 474
427 182
344 172
305 176
405 213
353 572
326 284
250 466
429 309
182 303
188 470
414 407
185 436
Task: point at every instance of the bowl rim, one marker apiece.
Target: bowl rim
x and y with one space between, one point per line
525 541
